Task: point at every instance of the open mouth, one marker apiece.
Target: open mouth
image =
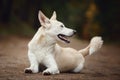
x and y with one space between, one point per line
64 38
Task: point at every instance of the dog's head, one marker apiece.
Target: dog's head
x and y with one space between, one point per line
55 28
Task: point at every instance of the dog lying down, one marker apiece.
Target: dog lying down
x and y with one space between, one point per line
43 48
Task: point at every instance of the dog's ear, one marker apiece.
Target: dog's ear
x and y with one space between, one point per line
53 16
43 19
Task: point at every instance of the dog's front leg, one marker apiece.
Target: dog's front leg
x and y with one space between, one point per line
51 65
33 64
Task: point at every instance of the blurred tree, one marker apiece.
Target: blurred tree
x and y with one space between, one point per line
88 17
110 18
76 17
91 26
5 10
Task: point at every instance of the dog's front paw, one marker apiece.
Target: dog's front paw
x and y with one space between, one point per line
50 72
28 71
46 73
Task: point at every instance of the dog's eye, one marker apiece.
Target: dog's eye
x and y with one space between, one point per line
62 26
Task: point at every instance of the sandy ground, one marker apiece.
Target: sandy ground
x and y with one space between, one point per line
104 65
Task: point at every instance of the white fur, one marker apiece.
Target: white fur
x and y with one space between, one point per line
95 44
43 48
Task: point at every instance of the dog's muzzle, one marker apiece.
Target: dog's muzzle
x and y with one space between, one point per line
65 37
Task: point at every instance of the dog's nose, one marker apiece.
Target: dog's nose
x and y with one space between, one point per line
74 31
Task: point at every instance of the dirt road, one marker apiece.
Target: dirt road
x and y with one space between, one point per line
104 65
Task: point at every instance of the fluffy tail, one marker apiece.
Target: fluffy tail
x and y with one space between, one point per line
95 45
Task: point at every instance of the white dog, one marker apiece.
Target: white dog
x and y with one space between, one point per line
43 48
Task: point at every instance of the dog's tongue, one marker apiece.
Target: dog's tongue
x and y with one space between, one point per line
64 38
67 41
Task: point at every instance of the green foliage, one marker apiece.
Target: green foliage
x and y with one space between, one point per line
88 17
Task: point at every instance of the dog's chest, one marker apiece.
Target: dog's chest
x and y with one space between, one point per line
41 51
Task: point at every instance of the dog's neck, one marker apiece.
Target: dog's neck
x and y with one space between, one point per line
42 39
